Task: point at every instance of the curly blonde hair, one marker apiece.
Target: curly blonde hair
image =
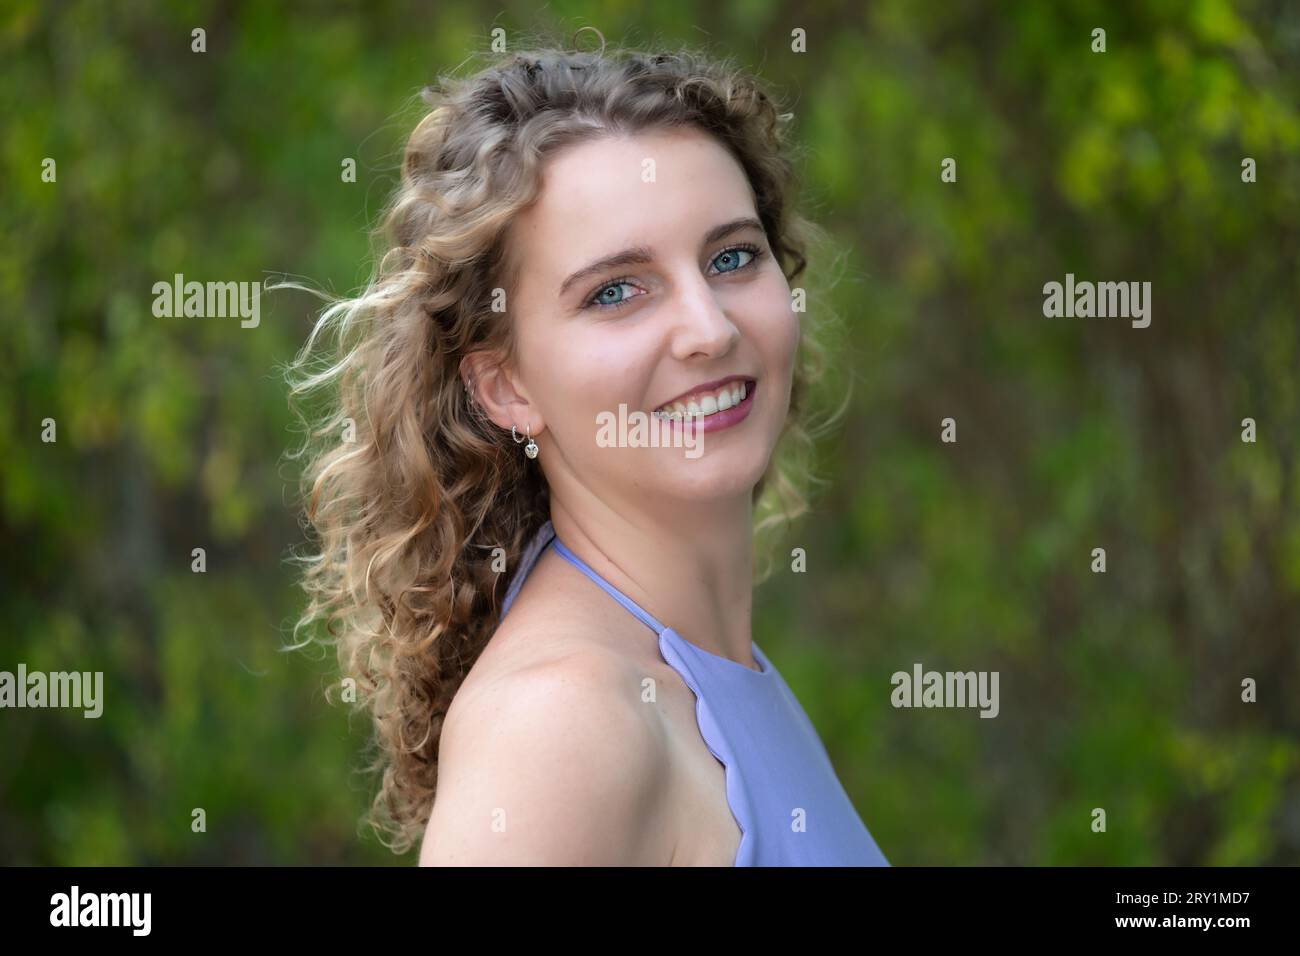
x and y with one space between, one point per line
406 486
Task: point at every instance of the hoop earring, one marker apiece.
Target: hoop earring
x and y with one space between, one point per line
531 448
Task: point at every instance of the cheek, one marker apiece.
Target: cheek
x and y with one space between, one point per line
593 378
793 329
779 334
779 324
606 370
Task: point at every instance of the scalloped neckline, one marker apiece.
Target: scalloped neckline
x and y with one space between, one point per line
765 666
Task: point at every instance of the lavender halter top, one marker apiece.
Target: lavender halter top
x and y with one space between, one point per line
781 786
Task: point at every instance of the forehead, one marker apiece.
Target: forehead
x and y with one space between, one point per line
662 189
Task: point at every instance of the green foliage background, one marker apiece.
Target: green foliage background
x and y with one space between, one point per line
1118 690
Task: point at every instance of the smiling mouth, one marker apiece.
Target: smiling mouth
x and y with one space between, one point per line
708 404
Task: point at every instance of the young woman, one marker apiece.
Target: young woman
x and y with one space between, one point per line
577 237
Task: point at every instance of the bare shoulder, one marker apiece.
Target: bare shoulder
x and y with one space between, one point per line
554 760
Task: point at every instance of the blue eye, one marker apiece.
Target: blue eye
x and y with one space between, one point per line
602 301
733 253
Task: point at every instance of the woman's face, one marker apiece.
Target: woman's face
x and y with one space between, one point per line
692 305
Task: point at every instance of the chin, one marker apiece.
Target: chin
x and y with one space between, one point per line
715 475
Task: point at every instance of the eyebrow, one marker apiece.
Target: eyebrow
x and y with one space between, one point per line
639 255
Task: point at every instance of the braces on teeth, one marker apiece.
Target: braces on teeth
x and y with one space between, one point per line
699 413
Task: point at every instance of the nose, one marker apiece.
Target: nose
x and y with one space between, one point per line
701 327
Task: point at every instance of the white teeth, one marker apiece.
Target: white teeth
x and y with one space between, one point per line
729 396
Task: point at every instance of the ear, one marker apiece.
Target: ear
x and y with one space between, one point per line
499 392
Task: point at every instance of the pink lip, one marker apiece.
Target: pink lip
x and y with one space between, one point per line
720 420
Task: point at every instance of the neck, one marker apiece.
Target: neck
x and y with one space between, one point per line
691 568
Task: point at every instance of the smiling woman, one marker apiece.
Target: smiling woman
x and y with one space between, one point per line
633 213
